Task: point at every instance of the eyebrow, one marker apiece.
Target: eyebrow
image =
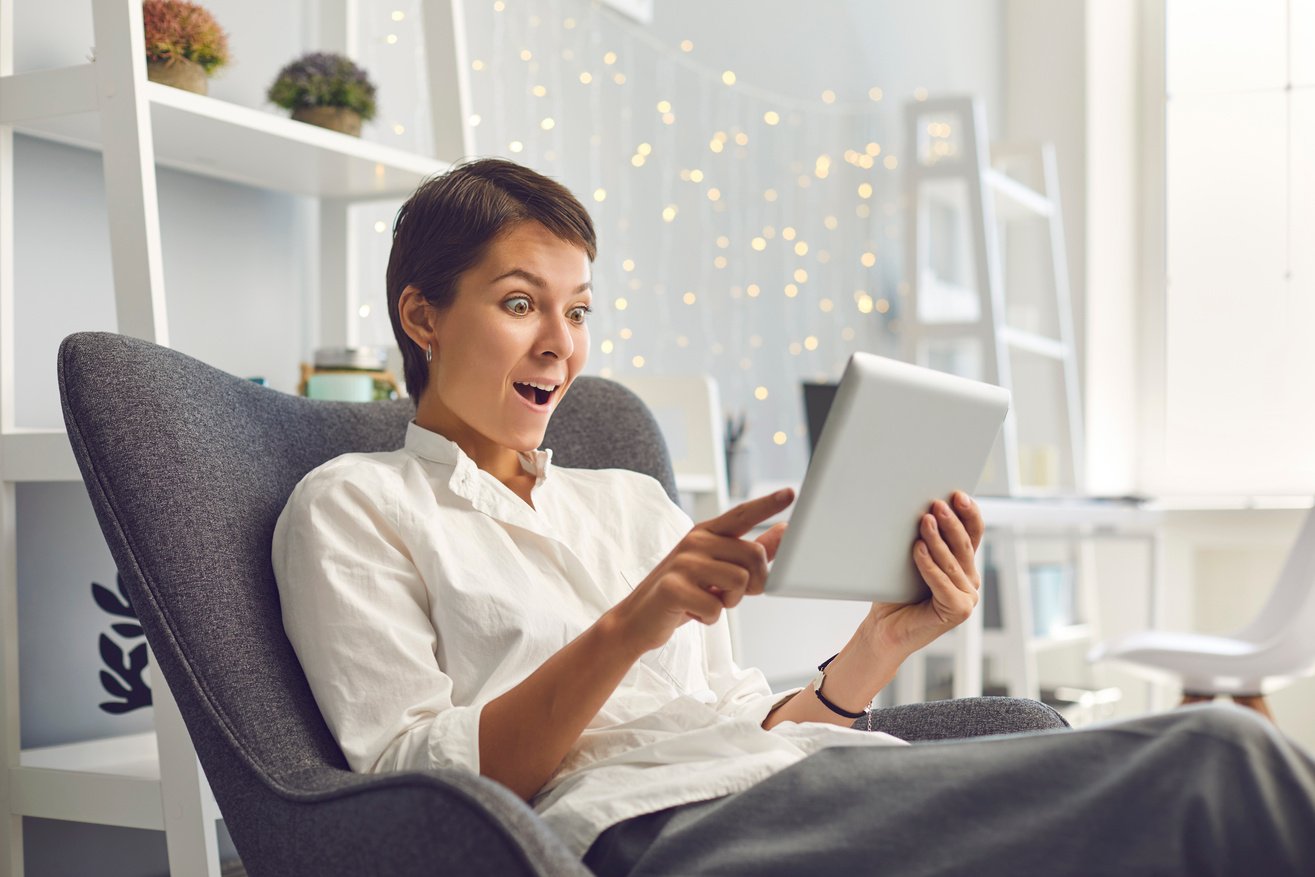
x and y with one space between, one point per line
536 280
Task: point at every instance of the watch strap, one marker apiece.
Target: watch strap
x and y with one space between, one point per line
817 689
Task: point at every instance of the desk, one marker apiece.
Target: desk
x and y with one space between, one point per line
1087 519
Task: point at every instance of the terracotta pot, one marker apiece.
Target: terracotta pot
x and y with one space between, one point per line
335 118
182 73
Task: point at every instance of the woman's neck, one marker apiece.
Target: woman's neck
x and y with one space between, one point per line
501 462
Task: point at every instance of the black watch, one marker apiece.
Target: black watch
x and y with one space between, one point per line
817 689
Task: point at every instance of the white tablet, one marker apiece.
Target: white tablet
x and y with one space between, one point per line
897 437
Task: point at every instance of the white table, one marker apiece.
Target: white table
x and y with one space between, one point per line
1084 518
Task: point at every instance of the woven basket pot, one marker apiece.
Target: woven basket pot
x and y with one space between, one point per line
182 73
335 118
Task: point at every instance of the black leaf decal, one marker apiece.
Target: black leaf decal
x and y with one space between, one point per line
113 685
111 654
126 680
135 693
119 706
106 600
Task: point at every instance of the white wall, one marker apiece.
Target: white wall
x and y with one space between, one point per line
1113 244
1073 73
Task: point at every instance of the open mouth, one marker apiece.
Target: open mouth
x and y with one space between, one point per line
534 393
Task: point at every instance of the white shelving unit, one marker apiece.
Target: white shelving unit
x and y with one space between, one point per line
957 176
154 780
963 308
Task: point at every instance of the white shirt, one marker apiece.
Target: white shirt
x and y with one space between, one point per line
416 588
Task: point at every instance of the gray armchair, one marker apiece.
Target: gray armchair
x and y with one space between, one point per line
188 468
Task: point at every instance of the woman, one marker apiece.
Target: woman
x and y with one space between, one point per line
460 602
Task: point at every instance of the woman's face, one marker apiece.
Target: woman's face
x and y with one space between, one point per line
518 318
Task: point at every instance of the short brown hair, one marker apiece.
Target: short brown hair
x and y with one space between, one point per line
446 226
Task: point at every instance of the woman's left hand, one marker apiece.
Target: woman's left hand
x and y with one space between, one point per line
945 555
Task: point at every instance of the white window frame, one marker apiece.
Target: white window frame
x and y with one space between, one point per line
1152 314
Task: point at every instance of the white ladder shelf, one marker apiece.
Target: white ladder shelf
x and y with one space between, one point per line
957 186
154 780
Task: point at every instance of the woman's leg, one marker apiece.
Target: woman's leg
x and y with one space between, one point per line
1202 790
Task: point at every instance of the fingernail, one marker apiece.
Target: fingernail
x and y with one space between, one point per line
962 499
784 493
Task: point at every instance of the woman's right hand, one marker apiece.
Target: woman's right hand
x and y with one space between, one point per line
711 568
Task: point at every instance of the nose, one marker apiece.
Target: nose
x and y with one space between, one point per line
555 338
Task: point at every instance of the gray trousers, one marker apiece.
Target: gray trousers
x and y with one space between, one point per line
1208 789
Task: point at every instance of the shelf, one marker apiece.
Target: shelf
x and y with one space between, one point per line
1074 516
1057 637
1069 515
1034 343
1234 502
107 107
958 326
38 455
113 781
214 138
996 644
1016 199
951 329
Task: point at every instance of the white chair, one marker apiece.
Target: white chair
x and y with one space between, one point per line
688 411
1276 648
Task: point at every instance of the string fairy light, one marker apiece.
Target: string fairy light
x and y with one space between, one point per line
699 202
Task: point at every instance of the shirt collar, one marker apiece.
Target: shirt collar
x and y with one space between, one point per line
440 449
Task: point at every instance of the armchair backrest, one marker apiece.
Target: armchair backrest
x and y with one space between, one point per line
188 468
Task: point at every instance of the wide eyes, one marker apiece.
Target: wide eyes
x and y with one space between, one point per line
520 306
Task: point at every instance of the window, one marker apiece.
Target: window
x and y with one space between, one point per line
1238 413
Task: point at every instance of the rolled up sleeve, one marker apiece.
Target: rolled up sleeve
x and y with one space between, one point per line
356 611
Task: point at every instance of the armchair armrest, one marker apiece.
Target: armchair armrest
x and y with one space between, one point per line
965 717
325 821
328 821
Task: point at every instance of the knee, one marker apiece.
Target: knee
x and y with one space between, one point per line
1227 722
1039 715
1024 714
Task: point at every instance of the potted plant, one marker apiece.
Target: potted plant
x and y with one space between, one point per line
327 90
184 43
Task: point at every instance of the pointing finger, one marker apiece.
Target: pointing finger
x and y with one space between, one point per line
742 518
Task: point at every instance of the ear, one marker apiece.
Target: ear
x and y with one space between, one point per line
417 317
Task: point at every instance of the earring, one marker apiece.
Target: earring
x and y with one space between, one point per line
429 352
